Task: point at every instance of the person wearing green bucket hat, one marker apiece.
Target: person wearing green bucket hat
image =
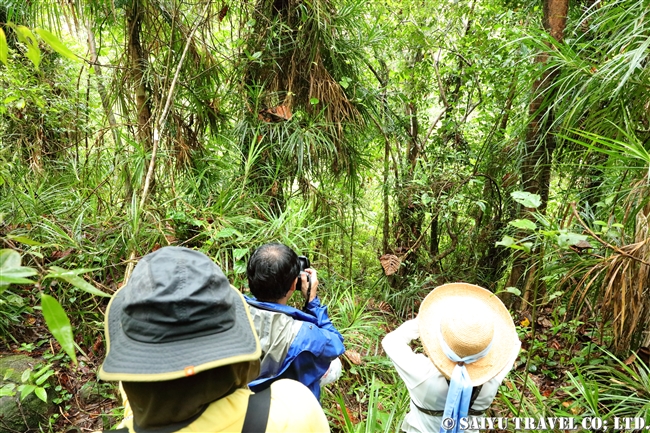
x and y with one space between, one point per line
181 340
470 344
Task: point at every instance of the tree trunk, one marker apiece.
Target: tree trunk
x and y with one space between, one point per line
540 142
138 67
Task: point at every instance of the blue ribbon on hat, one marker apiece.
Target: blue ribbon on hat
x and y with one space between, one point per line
460 385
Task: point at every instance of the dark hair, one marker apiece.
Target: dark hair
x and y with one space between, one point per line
271 271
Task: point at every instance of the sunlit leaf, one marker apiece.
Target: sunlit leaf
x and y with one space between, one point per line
4 48
527 199
41 393
55 43
523 224
25 240
59 324
238 253
515 291
566 239
9 259
11 272
507 241
27 37
8 390
25 390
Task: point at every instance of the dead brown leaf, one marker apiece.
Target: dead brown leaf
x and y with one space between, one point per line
390 263
353 357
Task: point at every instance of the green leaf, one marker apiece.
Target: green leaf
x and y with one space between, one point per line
25 240
239 267
314 101
56 44
523 224
25 376
515 291
9 259
16 276
507 242
59 324
566 239
226 232
44 377
27 37
527 199
8 390
4 48
41 393
72 278
238 253
25 390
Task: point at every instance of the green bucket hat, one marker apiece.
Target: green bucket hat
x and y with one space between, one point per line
176 316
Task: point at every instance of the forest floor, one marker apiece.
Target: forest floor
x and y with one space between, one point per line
86 405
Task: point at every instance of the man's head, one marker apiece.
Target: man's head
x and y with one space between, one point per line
272 271
177 316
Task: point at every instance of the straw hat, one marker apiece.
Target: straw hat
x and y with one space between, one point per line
468 318
177 316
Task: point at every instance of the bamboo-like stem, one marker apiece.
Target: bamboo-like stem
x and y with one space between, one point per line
159 128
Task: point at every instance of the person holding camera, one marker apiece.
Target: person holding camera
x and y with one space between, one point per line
296 344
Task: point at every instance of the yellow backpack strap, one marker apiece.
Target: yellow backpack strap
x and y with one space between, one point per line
257 412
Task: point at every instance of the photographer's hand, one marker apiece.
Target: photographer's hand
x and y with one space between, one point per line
307 286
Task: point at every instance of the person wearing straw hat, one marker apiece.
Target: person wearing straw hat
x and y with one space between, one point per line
181 340
470 343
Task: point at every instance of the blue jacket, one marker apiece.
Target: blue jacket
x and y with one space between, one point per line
295 344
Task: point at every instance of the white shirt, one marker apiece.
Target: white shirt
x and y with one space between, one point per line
426 385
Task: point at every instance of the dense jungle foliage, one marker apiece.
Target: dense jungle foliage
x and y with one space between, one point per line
400 144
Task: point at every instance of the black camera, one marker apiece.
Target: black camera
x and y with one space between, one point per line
303 263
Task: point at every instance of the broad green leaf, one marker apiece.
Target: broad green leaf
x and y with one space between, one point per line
314 101
27 37
566 239
25 240
55 43
59 324
16 276
41 393
523 224
527 199
25 376
238 253
226 232
44 377
25 390
9 259
72 278
515 291
10 270
239 267
507 242
8 390
4 48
